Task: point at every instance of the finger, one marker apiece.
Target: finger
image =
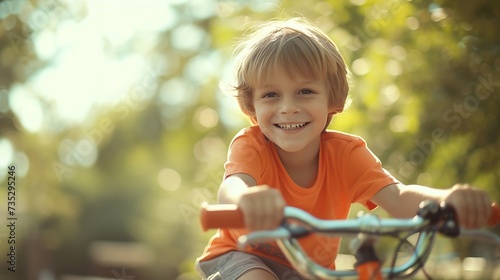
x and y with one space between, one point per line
263 215
486 209
476 210
279 212
260 217
268 214
272 213
473 209
278 205
247 214
462 205
481 209
250 210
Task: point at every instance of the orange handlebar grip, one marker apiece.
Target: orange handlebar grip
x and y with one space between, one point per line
221 216
495 215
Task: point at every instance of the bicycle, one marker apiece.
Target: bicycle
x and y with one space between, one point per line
431 218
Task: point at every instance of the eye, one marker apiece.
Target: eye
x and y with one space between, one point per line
306 91
269 95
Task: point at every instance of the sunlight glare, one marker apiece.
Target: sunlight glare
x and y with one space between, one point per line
27 108
176 92
188 37
89 64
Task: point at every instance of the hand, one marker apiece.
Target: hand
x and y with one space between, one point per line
473 206
262 208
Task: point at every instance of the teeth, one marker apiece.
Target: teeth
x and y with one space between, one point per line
291 126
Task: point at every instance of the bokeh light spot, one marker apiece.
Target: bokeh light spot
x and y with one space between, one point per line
360 66
27 108
412 23
7 152
398 123
209 149
393 67
169 179
389 94
207 117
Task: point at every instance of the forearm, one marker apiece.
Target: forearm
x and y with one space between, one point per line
402 201
473 206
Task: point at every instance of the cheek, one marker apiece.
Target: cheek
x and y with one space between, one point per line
324 106
260 110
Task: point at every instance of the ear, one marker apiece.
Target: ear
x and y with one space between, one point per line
329 120
253 117
335 109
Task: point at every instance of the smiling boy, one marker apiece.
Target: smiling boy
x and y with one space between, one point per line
291 81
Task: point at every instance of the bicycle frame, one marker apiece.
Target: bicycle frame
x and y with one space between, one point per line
431 219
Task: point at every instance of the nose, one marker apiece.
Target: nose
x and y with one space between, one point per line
289 106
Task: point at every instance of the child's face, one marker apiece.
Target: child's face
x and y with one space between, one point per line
291 111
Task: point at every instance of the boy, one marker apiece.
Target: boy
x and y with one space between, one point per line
291 80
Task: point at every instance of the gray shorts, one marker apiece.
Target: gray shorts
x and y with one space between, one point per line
232 265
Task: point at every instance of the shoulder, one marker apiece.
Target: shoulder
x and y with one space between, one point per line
252 132
249 153
349 148
250 136
341 138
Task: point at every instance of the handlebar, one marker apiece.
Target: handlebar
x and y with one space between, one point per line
229 216
431 218
221 216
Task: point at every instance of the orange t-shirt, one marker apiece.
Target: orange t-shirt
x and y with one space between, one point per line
348 172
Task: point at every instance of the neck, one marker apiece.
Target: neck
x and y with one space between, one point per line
300 159
301 166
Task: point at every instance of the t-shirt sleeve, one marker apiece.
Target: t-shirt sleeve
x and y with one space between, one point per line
244 156
365 174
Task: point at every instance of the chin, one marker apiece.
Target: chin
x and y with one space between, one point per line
290 149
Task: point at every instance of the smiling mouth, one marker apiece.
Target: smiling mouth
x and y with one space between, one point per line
290 126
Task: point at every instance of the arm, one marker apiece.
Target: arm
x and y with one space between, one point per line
473 206
262 206
233 187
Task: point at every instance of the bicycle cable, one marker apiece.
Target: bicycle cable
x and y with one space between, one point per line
420 262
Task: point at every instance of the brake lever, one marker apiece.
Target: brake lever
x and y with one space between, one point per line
442 215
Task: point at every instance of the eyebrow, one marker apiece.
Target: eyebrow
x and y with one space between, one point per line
303 82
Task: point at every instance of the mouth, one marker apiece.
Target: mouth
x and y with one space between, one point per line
291 126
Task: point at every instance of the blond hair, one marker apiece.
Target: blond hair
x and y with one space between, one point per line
297 47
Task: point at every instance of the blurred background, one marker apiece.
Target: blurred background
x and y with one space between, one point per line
113 114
